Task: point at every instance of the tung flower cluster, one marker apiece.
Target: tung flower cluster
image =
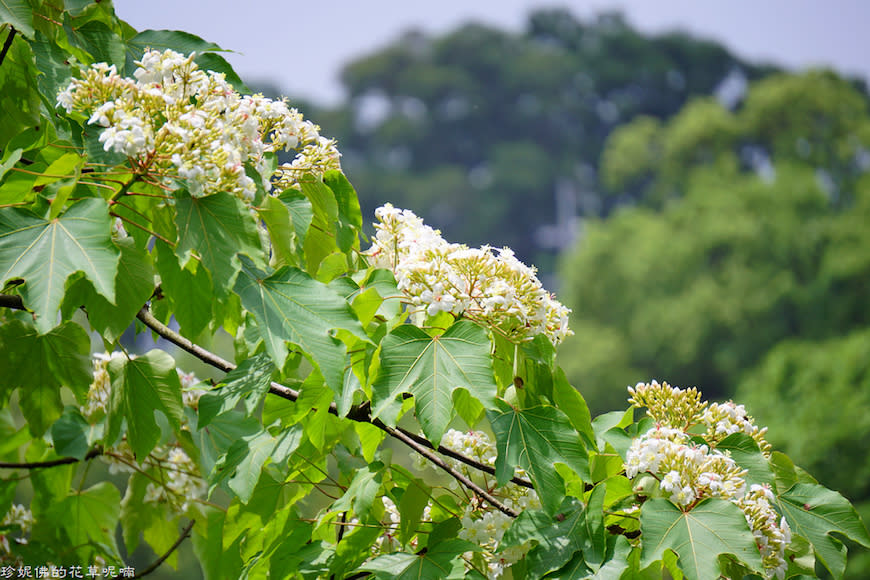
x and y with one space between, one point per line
687 473
485 284
177 121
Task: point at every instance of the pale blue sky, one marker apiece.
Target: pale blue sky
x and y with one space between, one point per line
302 45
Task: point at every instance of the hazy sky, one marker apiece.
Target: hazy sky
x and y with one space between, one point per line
301 46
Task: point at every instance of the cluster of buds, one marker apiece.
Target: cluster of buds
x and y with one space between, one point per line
484 284
101 387
667 405
665 461
175 120
724 419
481 523
772 533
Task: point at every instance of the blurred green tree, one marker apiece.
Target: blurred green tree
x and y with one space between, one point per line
496 135
750 234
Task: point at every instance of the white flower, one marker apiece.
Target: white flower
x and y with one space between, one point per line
489 286
671 481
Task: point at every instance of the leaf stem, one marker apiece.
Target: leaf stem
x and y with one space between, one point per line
125 188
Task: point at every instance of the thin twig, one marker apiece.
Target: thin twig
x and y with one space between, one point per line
430 455
154 565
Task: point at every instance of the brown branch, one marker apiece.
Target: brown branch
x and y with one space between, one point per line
7 44
154 565
214 360
430 455
11 301
359 414
54 462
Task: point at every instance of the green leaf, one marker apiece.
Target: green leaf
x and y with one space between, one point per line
411 508
45 253
361 492
815 512
431 368
699 537
134 285
210 61
70 434
535 439
182 42
19 14
141 386
215 439
244 460
571 402
745 452
11 159
90 517
189 291
349 222
217 227
434 563
291 306
250 380
556 537
39 365
276 216
319 240
98 40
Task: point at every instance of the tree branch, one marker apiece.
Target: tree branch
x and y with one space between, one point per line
11 301
418 444
359 414
7 44
154 565
54 462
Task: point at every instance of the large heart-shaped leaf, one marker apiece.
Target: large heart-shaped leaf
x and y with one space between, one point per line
535 439
291 306
217 227
89 517
134 285
814 512
713 528
46 252
141 386
431 368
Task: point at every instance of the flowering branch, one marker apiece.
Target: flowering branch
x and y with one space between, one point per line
415 442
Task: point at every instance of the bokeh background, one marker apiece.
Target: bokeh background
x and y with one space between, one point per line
691 178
